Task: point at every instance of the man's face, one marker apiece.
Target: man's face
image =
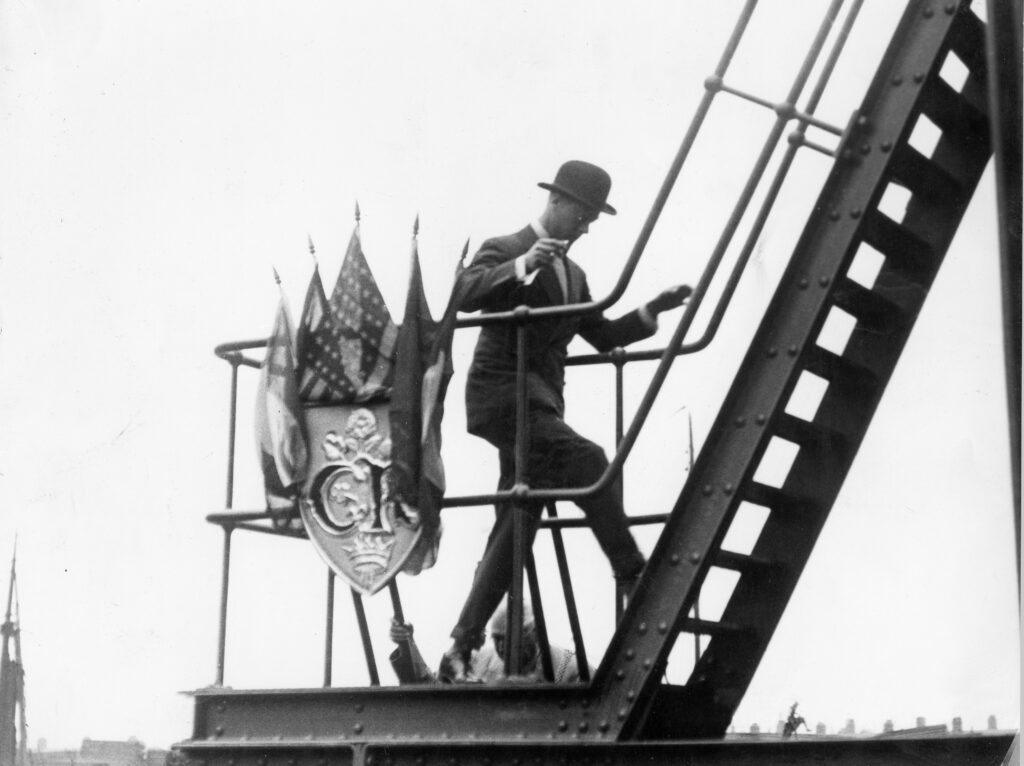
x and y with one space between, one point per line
572 220
528 651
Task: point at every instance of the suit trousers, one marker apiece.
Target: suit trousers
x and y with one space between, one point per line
558 457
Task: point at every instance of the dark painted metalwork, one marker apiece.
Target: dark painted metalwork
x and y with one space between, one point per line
222 631
514 642
951 750
1003 48
232 417
364 634
329 630
567 591
753 414
622 702
543 644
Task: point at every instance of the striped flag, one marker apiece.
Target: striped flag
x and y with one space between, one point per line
279 431
346 344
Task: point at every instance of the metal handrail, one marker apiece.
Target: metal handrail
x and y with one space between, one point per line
522 315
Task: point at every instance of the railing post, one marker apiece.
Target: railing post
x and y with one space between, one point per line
513 658
231 434
364 633
222 634
329 630
570 598
618 359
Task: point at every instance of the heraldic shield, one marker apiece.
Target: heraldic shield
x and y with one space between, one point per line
347 505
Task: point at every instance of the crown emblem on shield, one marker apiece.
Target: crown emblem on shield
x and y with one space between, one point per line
346 505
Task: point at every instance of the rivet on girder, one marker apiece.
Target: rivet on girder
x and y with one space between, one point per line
886 146
359 707
631 695
604 726
792 350
773 352
583 726
219 730
358 728
663 627
621 714
897 80
865 149
673 560
694 555
641 628
584 703
919 77
563 726
741 421
855 213
620 674
647 664
760 420
823 281
833 215
630 654
929 12
728 488
950 9
802 284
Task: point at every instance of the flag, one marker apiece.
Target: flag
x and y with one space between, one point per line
366 333
279 431
328 370
423 368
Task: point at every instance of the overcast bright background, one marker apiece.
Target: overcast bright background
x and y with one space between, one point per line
157 159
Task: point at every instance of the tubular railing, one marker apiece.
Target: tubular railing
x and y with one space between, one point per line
520 494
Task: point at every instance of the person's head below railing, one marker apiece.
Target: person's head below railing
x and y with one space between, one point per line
531 267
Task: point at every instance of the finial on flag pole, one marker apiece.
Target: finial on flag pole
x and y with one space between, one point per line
312 248
465 251
416 226
277 277
357 211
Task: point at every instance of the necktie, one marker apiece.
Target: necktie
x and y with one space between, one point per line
563 277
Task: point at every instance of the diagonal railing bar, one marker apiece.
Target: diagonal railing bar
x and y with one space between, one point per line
577 309
618 355
671 350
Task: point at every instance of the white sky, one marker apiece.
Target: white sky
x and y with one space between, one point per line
158 158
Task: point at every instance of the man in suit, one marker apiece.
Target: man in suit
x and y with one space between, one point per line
531 268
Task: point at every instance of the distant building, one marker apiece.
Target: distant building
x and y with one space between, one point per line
99 752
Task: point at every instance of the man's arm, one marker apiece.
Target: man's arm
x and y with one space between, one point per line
502 267
605 334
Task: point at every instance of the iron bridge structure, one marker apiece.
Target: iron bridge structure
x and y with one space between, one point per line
625 713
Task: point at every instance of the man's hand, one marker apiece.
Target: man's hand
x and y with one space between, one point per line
400 632
671 298
543 253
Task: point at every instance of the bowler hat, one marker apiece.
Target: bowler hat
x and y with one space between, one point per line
587 184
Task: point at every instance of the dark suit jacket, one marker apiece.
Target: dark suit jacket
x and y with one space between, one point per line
490 285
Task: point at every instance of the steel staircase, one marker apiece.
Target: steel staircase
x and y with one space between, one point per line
875 153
